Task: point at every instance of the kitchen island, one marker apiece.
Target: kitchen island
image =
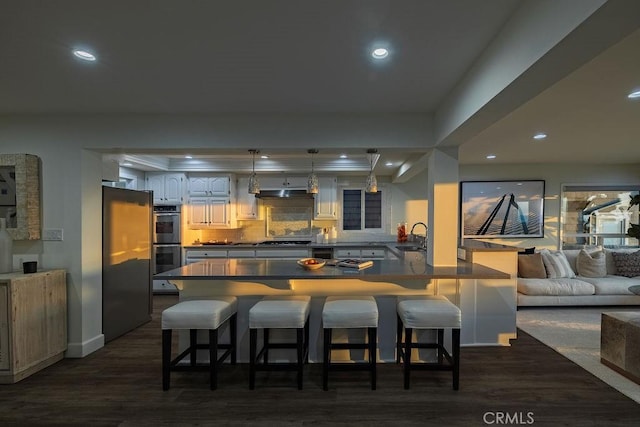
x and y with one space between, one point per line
250 279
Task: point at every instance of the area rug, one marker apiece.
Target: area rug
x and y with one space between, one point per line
575 334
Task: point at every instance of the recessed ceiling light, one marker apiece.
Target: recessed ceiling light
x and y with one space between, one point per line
634 95
343 156
388 164
84 55
188 156
491 156
539 136
264 156
379 53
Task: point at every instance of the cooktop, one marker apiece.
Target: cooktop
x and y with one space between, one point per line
285 242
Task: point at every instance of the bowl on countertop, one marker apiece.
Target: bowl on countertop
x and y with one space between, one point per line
311 263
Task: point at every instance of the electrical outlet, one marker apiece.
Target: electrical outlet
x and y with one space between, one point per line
52 234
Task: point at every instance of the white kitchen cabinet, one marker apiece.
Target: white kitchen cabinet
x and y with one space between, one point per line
241 253
168 188
293 253
209 186
246 203
361 253
210 212
193 255
326 201
283 181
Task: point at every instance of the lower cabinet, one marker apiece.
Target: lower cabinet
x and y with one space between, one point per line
33 322
366 253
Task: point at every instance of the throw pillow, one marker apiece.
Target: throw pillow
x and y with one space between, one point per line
627 264
531 267
591 264
556 264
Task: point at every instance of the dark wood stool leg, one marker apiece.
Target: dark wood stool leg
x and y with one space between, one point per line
373 342
265 344
455 338
193 344
233 336
253 342
398 339
440 346
213 358
300 332
408 332
166 358
326 359
306 341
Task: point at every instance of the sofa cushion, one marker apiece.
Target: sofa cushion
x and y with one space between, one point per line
608 253
572 257
554 287
612 285
531 266
627 264
556 264
591 264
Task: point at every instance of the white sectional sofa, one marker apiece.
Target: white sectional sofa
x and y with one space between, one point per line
610 289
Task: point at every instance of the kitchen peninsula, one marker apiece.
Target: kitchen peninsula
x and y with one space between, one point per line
251 278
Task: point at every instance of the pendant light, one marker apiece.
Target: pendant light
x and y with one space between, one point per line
372 182
254 184
312 180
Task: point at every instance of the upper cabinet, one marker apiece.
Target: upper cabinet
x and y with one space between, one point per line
246 204
168 188
283 181
212 201
20 195
326 201
209 186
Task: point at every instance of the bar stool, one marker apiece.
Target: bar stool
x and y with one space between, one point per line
349 312
209 315
279 312
428 312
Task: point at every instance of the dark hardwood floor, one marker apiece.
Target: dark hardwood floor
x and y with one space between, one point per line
527 383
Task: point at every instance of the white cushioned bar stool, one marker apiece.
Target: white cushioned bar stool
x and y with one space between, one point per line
193 315
279 312
346 312
428 312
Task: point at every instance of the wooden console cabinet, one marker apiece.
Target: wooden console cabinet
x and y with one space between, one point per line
33 322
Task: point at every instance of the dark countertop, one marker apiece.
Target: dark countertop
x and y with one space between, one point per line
412 266
308 245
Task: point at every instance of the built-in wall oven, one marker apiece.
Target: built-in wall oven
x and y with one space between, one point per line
167 250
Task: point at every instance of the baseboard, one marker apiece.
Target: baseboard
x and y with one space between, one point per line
79 350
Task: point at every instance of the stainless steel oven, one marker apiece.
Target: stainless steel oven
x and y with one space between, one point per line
167 252
166 257
166 224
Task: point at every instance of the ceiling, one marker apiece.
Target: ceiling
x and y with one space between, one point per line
290 57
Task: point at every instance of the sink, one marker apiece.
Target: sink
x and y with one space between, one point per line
406 248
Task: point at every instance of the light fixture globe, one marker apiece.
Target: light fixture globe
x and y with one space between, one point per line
372 181
312 179
254 183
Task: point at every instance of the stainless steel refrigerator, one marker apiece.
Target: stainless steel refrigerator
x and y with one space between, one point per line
126 260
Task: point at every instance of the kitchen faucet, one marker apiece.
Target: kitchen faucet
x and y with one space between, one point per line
426 232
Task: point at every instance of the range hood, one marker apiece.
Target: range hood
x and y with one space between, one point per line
284 194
